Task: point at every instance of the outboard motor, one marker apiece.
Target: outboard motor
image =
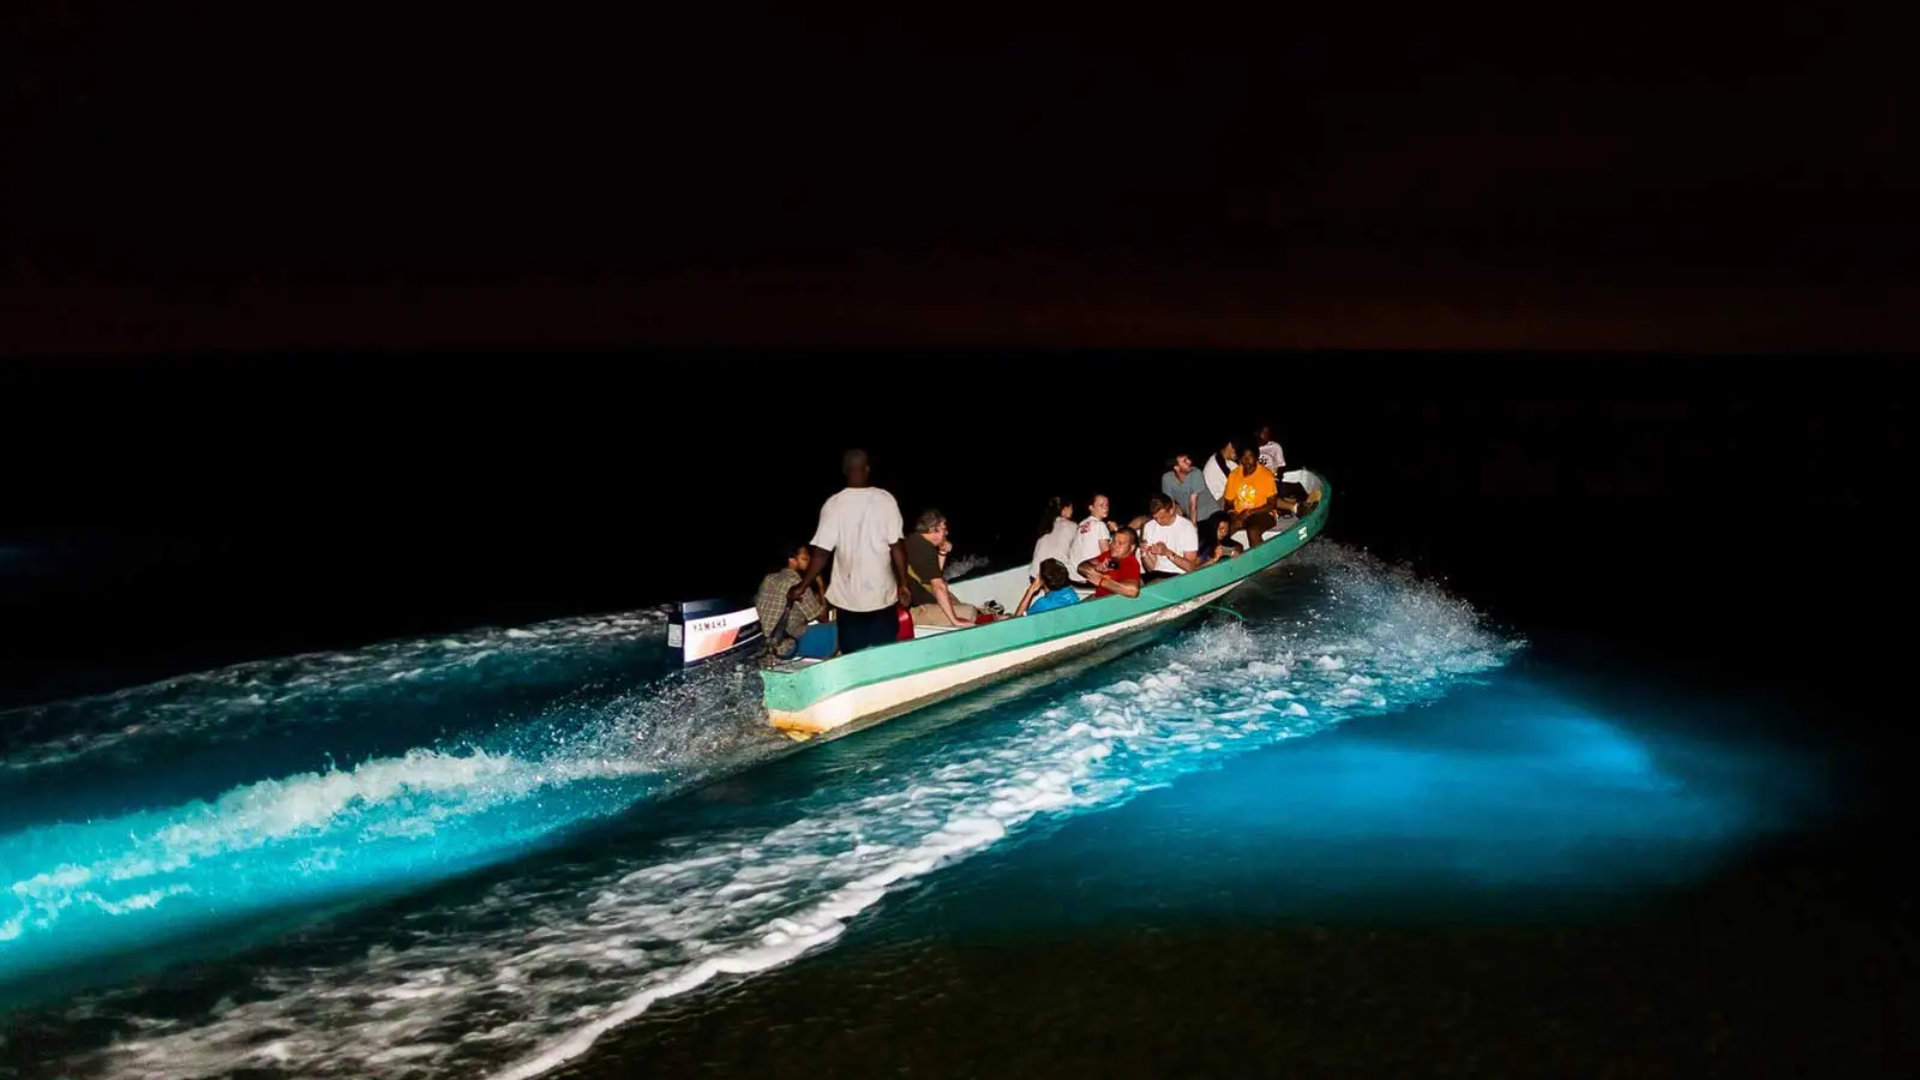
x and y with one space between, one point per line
702 630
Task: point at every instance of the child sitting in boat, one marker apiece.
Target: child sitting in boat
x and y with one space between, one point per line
1059 590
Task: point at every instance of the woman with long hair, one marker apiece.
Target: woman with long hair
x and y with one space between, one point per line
1057 531
1215 539
1092 539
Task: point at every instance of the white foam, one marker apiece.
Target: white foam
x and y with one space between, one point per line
251 699
432 786
553 959
286 836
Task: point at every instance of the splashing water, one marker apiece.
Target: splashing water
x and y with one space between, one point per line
335 689
963 565
80 889
517 974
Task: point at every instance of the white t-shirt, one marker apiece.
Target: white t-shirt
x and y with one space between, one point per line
1180 537
1216 477
1057 544
1086 545
1272 457
860 527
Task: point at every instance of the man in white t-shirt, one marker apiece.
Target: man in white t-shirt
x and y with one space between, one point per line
1270 453
860 535
1171 543
1093 539
1292 484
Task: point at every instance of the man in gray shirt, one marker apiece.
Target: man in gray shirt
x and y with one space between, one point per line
1187 487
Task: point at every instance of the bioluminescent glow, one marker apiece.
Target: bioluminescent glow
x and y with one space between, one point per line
80 889
1505 800
523 969
217 730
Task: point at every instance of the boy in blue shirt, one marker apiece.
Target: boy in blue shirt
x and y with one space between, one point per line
1053 576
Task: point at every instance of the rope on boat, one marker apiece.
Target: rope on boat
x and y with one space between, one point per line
1216 605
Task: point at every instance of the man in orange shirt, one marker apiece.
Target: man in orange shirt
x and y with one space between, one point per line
1254 497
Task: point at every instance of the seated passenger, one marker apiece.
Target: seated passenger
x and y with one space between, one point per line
927 548
1093 539
1216 543
1219 464
1187 487
1059 591
1172 543
1253 496
1293 493
790 636
1057 531
1118 571
1270 453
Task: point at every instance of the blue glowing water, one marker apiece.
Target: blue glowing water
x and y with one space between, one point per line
503 866
361 807
1507 801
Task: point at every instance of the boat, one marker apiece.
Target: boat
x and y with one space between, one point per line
809 699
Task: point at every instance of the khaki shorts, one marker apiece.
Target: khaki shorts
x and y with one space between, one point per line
931 615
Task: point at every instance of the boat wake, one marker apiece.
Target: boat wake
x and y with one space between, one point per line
514 973
99 882
248 701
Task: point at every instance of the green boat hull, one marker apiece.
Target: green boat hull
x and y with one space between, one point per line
812 698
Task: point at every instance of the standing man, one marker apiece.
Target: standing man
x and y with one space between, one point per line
860 535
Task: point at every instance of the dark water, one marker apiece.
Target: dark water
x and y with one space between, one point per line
1612 784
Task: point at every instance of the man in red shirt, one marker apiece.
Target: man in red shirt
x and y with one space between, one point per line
1116 572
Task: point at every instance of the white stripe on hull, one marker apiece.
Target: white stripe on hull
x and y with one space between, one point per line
880 700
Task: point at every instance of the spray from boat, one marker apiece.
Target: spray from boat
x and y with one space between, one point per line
524 966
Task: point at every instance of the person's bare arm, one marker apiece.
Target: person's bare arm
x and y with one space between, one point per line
1100 579
1033 586
1184 560
816 566
899 553
1026 600
944 597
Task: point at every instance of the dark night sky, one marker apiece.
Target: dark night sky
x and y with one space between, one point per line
1599 181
